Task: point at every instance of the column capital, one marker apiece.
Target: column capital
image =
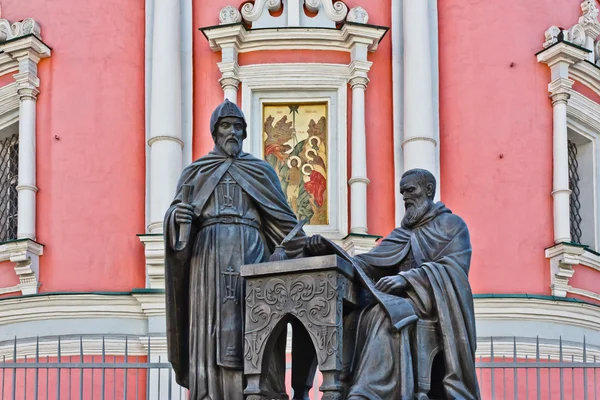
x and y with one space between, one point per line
359 81
560 86
229 83
560 98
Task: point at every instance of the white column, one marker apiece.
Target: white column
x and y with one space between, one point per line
359 181
419 142
560 190
165 110
28 83
229 73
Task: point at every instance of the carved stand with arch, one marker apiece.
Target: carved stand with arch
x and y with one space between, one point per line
310 292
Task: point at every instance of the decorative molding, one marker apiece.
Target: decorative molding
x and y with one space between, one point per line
25 254
358 15
28 26
519 310
154 251
155 139
589 19
247 40
304 82
562 259
230 15
258 13
583 34
335 11
253 11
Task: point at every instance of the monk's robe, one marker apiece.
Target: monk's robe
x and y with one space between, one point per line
240 215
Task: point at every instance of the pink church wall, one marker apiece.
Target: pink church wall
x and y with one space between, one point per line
379 124
90 143
496 136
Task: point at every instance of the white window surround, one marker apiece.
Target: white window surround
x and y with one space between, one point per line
299 79
269 83
571 55
21 48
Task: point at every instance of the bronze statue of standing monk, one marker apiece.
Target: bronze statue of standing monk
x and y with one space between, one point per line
229 210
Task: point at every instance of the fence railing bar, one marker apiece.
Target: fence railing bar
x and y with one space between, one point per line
159 374
115 379
103 377
70 373
595 385
125 371
169 396
526 379
47 378
585 371
58 372
572 379
148 372
537 360
549 380
515 375
81 369
493 388
25 381
560 352
92 387
3 375
504 380
37 370
14 376
137 379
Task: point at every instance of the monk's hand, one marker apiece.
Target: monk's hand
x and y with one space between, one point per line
395 284
316 245
184 213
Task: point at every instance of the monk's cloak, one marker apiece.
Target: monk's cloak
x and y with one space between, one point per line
439 287
259 181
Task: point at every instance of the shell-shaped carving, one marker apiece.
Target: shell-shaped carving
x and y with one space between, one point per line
358 15
252 12
577 35
229 15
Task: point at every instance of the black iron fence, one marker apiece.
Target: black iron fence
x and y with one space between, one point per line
90 367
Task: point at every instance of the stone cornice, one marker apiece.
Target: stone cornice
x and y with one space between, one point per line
245 40
70 306
25 254
563 257
521 308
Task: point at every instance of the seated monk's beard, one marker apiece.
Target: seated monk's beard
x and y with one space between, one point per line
415 213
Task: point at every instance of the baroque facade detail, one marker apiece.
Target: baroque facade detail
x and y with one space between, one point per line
329 13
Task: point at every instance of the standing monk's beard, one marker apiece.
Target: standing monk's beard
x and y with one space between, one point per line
230 147
415 213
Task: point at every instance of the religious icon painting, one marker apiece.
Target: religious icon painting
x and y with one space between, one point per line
295 144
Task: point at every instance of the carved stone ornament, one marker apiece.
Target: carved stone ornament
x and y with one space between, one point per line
229 15
588 26
335 11
253 11
590 13
14 30
551 35
358 15
577 35
598 53
330 12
